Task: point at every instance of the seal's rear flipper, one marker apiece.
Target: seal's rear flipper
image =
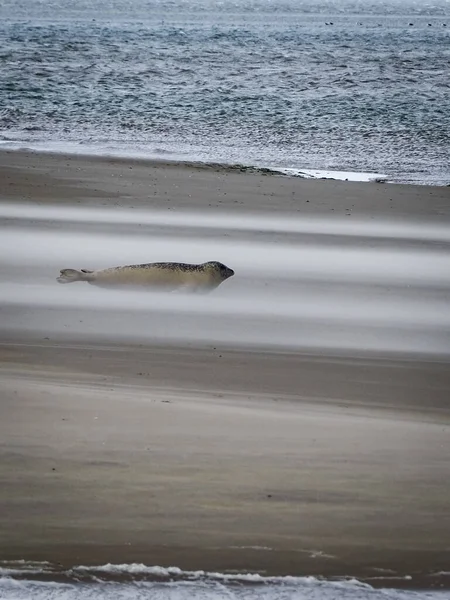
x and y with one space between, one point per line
71 275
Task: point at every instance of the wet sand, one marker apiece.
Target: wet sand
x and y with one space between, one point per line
214 457
96 181
224 460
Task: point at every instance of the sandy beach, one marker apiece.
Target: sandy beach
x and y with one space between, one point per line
133 183
212 456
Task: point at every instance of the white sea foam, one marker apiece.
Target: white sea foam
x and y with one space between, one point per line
172 583
21 567
327 174
170 572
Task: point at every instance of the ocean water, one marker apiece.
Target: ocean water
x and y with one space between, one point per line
341 85
24 581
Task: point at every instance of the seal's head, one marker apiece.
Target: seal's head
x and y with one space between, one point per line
218 269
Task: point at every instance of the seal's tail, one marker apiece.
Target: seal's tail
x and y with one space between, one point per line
71 275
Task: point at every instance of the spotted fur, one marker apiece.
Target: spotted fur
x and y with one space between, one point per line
167 276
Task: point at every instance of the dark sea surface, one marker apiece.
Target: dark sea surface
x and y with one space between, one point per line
341 85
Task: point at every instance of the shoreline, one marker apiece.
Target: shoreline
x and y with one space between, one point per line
73 149
153 158
75 179
123 573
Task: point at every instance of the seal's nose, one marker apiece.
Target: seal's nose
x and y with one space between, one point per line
230 272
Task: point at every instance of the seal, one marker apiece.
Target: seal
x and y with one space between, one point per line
165 276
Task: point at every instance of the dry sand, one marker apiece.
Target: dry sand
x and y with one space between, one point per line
212 458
